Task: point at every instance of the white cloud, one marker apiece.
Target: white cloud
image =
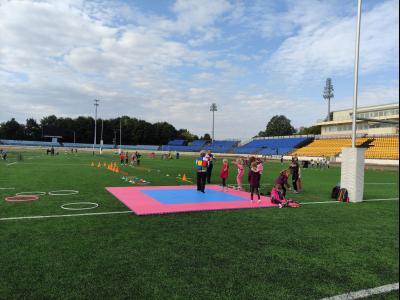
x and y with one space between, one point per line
328 50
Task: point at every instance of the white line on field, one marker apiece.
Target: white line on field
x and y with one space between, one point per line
13 163
366 293
7 188
381 183
62 216
128 211
367 200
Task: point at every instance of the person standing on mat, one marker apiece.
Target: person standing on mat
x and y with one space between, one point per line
210 157
201 169
254 181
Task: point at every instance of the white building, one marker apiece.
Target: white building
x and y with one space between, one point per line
341 121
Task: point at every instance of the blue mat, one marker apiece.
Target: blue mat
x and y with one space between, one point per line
190 196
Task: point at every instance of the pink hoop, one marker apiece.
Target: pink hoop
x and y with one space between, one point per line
22 198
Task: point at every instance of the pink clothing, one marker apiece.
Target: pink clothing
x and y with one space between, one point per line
224 171
260 168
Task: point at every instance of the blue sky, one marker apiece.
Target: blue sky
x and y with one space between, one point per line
169 60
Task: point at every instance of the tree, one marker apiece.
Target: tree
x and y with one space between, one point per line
186 135
32 130
278 126
12 130
206 137
310 130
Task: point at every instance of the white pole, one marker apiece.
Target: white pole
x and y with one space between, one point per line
355 93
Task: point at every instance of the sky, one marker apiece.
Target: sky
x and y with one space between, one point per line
164 60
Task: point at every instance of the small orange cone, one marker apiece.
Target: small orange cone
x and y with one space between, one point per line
98 164
117 170
105 164
184 177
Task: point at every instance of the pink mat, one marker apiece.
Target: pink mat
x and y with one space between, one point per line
142 204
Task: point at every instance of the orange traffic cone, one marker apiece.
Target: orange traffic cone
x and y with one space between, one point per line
105 164
117 170
98 164
184 177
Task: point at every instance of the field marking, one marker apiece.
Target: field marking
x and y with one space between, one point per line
366 293
381 183
128 211
367 200
13 163
7 188
65 216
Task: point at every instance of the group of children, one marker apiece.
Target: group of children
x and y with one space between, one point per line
278 192
124 158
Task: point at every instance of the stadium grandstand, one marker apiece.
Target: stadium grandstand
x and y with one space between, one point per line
273 146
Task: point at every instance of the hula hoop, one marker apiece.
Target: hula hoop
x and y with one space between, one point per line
63 193
22 198
94 205
31 193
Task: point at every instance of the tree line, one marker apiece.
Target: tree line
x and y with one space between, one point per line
134 131
81 130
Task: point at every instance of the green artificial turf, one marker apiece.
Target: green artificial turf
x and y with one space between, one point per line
307 253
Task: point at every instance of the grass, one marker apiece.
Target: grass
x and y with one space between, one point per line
307 253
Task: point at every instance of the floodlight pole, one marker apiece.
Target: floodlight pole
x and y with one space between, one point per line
96 104
120 135
101 136
356 63
213 108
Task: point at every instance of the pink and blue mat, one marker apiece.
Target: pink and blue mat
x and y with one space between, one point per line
147 200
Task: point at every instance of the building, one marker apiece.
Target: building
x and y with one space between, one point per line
341 121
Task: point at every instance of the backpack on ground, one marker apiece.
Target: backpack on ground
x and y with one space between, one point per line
343 195
335 192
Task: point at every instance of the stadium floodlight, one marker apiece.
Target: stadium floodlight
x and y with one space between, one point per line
328 94
213 108
96 104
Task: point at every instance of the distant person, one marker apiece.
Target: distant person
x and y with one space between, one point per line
177 155
299 183
254 182
52 150
281 160
210 157
48 151
201 171
294 170
224 174
126 158
138 156
121 158
239 177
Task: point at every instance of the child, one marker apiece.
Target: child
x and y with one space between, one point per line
239 164
126 158
121 158
224 174
254 181
277 196
282 180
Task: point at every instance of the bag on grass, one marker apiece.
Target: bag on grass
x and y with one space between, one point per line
335 192
343 195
